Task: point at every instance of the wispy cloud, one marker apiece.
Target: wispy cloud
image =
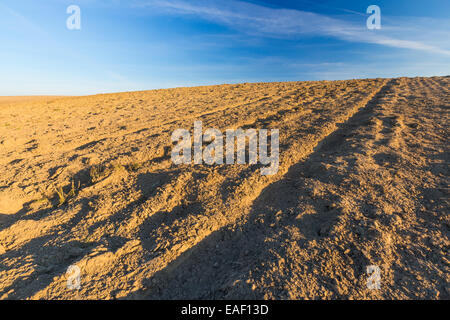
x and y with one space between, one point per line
11 20
273 22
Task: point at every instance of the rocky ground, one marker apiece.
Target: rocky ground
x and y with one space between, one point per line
363 180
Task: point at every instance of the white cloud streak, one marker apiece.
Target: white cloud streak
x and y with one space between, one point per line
285 23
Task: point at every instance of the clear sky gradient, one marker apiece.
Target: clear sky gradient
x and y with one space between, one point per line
148 44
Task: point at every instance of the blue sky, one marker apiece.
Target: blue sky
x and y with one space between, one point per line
147 44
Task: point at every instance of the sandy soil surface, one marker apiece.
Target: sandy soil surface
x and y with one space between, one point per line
363 180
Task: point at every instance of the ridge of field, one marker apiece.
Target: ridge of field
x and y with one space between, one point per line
363 180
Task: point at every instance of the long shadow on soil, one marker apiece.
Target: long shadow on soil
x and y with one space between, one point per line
218 266
47 259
